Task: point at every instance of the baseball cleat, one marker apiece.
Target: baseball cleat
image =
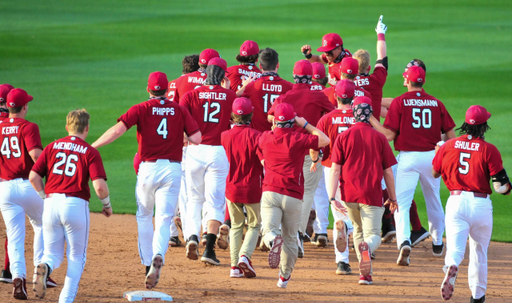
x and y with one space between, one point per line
154 272
19 291
174 241
210 258
42 272
419 236
274 256
341 235
6 276
365 280
246 266
448 285
282 282
365 262
223 239
320 240
438 250
405 253
343 269
50 283
236 272
192 251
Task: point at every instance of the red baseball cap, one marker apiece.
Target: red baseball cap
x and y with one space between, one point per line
157 81
249 48
415 74
349 66
18 97
242 106
361 100
330 42
318 70
345 89
303 68
284 112
207 55
219 62
477 114
4 90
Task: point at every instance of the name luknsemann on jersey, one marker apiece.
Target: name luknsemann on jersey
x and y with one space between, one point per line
70 146
420 102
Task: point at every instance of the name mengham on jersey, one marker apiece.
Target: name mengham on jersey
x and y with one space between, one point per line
70 146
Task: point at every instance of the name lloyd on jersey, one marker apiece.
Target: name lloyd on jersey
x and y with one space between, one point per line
345 120
70 146
196 80
163 111
420 102
466 145
272 87
212 95
8 130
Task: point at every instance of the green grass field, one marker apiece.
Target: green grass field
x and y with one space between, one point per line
98 54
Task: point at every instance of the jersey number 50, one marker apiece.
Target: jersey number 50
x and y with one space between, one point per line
422 117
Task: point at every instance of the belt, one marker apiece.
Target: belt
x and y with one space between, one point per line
154 160
477 195
4 180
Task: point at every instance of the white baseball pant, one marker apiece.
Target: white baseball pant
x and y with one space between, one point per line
206 173
17 198
66 219
414 166
467 215
321 206
158 186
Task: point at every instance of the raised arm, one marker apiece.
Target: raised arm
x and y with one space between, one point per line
381 43
306 51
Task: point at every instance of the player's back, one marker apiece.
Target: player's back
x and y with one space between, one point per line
418 119
171 89
262 93
333 124
188 82
373 84
69 163
317 86
238 73
17 138
210 106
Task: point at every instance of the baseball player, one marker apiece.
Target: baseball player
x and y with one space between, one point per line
415 121
266 89
20 147
195 79
333 124
363 156
190 64
311 105
249 53
160 126
283 186
333 53
68 164
467 164
207 164
319 79
243 187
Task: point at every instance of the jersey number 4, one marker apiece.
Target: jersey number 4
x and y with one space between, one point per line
464 165
12 148
69 163
422 117
162 128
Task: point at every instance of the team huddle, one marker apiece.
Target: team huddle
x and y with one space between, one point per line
222 149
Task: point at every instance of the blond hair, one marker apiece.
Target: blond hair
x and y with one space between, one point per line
77 120
363 57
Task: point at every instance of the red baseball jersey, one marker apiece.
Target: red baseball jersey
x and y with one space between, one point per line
188 82
333 124
373 84
68 164
283 150
311 105
210 105
245 178
418 120
359 91
3 116
171 90
263 92
317 86
17 138
467 164
160 126
334 74
238 73
363 154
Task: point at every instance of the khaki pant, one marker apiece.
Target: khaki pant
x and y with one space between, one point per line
311 180
236 214
367 221
277 209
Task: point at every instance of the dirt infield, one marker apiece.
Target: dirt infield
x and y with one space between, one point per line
113 267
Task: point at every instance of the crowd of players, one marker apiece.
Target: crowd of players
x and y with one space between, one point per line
240 147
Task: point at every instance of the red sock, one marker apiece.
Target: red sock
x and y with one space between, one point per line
415 219
226 216
6 266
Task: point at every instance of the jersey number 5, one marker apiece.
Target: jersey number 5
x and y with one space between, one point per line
14 147
422 117
464 168
69 168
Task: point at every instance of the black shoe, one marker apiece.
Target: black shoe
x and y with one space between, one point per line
210 257
192 248
228 223
320 240
343 269
300 240
405 253
175 241
6 276
438 250
419 236
388 232
147 270
481 300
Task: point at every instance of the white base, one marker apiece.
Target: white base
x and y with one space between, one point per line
146 295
